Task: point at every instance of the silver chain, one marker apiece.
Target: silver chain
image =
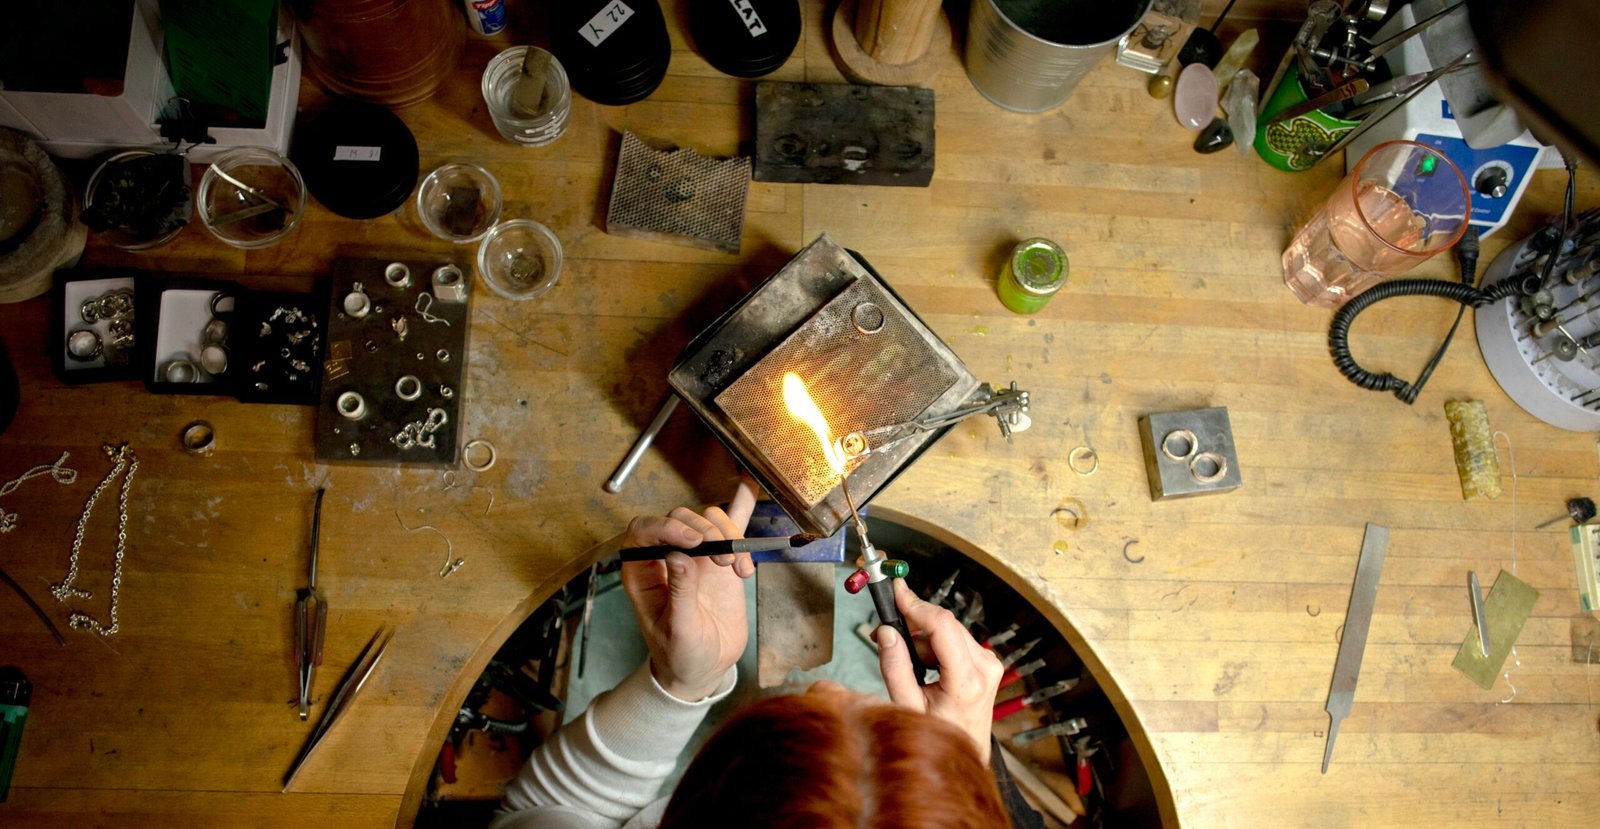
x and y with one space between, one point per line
123 458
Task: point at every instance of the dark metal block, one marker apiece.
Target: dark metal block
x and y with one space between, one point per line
843 134
1177 453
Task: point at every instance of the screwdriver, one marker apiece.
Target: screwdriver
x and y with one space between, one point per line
1578 509
310 617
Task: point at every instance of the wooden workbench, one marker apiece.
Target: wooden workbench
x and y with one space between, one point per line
1220 642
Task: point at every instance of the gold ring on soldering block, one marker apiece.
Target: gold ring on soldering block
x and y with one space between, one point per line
1219 461
1076 458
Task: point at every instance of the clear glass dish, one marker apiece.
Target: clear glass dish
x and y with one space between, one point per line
459 202
519 259
122 237
251 197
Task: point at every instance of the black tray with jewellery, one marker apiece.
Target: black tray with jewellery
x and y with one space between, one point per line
93 338
280 338
392 368
184 329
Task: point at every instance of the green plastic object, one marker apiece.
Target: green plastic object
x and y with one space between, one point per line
894 568
1298 143
1033 274
14 695
220 55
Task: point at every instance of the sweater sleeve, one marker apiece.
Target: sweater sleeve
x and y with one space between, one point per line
602 768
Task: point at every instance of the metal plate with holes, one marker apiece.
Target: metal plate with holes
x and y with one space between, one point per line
1179 468
861 370
843 134
367 355
678 196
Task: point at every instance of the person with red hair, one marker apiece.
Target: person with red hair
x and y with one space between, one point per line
826 759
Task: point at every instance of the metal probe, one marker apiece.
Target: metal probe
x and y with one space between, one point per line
310 616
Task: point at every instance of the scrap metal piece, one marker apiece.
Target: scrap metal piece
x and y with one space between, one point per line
678 196
1476 462
843 134
1507 607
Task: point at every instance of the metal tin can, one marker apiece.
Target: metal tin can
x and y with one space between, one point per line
486 17
1033 274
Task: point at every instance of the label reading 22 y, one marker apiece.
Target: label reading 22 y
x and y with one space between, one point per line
607 20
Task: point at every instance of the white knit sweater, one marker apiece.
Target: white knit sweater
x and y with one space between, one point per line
604 770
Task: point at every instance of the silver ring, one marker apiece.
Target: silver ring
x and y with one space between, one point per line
475 446
443 354
1220 462
199 438
868 318
214 359
408 387
351 405
84 345
1187 437
215 332
398 275
179 371
89 312
357 304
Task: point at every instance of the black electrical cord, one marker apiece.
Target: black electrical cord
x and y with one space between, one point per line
1467 294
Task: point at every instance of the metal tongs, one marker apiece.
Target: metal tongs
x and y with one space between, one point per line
1009 407
354 680
310 617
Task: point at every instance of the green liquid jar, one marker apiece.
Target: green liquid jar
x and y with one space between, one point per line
1033 274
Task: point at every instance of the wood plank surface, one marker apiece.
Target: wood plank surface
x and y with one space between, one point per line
1219 641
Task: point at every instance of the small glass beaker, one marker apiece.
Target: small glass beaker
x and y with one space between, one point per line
533 128
1403 203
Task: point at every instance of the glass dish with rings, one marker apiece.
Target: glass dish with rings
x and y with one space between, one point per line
251 197
520 259
459 202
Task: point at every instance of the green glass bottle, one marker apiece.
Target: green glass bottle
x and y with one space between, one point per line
1033 274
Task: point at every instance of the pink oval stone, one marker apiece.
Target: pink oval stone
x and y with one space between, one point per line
1195 99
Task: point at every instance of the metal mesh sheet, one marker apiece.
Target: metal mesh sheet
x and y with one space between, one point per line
678 196
858 380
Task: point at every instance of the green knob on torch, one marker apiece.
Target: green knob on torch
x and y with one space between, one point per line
895 568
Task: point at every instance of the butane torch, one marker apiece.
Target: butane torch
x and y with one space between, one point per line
878 575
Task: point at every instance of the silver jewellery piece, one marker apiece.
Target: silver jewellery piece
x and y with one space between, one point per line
351 405
443 354
122 458
115 305
215 332
214 359
867 318
436 419
59 473
397 275
399 326
122 333
446 392
1217 464
355 450
89 311
419 433
84 345
408 387
448 285
179 371
199 438
478 455
1180 445
1083 461
221 303
424 302
356 303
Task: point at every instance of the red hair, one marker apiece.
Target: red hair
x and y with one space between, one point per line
836 761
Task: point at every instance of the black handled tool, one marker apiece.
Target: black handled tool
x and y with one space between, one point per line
715 548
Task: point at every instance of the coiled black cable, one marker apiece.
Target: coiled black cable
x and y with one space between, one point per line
1339 332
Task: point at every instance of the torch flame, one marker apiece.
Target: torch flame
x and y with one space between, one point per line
804 409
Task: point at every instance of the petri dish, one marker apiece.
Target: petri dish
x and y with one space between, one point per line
519 259
459 202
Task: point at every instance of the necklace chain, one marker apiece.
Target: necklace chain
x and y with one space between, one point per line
123 459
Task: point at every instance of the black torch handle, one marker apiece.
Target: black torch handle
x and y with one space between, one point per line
883 600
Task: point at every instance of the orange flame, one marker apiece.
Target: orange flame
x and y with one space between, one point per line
804 409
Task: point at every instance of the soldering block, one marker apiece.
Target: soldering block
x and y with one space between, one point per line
843 134
1189 467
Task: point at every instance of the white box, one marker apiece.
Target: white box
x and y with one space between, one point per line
73 125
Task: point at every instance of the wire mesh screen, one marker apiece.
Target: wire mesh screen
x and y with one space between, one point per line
864 366
678 196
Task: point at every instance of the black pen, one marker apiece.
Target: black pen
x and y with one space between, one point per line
716 548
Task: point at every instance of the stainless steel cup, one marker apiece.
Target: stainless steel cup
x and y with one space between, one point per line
1028 55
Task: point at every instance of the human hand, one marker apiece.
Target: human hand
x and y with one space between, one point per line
969 674
691 609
